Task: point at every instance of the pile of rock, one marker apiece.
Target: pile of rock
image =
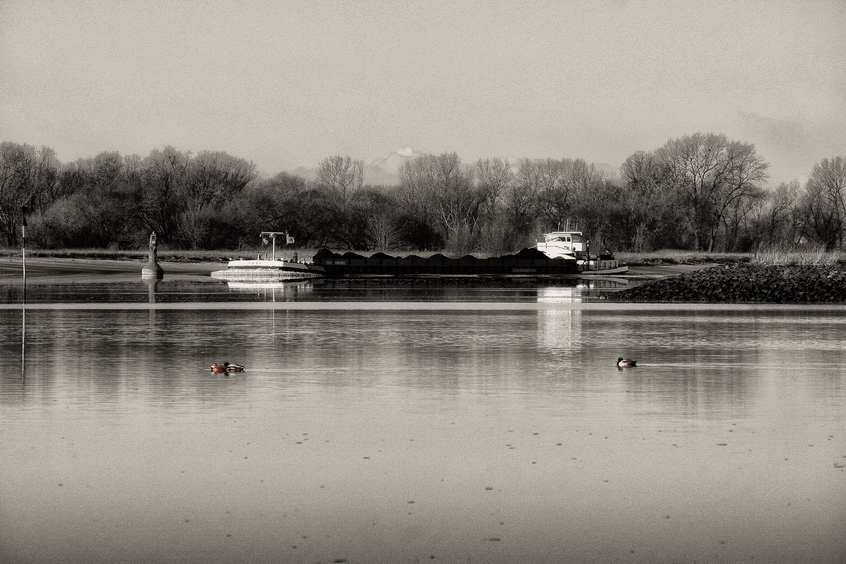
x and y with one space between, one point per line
746 283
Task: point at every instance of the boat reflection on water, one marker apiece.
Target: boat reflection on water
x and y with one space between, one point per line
584 290
560 329
273 291
599 287
561 294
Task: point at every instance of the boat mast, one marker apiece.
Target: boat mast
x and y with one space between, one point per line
272 235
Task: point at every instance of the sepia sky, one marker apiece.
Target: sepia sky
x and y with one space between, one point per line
286 83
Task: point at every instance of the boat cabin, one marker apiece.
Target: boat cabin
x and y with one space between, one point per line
562 244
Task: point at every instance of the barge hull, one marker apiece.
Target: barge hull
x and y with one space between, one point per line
526 263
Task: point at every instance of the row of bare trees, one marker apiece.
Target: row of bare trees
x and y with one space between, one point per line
112 201
701 191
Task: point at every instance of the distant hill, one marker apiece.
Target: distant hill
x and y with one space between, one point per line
611 171
303 172
385 169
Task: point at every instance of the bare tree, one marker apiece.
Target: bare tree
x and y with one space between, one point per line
522 200
540 196
341 179
284 202
214 177
28 178
493 178
642 200
164 173
212 180
739 227
442 188
710 173
823 203
591 196
775 217
380 217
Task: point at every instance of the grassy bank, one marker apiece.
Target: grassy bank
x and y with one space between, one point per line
106 254
674 257
652 258
805 257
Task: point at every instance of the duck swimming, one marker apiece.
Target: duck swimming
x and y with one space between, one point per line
225 367
625 362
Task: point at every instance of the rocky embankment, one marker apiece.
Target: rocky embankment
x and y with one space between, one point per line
746 283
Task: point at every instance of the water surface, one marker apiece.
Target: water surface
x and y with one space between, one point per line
446 425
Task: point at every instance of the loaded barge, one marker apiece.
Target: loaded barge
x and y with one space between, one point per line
526 263
561 255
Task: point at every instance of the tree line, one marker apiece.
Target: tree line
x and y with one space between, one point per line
698 192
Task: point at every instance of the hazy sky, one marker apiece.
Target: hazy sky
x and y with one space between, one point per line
286 83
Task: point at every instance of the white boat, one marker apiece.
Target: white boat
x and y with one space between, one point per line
268 270
562 244
271 269
571 245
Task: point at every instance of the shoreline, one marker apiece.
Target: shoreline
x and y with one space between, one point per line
40 268
745 284
712 283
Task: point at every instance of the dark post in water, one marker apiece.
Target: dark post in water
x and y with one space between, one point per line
152 270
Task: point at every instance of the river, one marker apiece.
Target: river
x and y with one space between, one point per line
424 422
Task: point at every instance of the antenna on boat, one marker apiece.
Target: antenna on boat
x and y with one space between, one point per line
272 236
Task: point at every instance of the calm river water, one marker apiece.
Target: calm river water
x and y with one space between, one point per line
405 424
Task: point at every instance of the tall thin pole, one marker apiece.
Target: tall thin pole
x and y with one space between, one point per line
23 309
23 342
23 250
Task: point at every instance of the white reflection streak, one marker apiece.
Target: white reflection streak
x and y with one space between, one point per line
23 342
559 329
